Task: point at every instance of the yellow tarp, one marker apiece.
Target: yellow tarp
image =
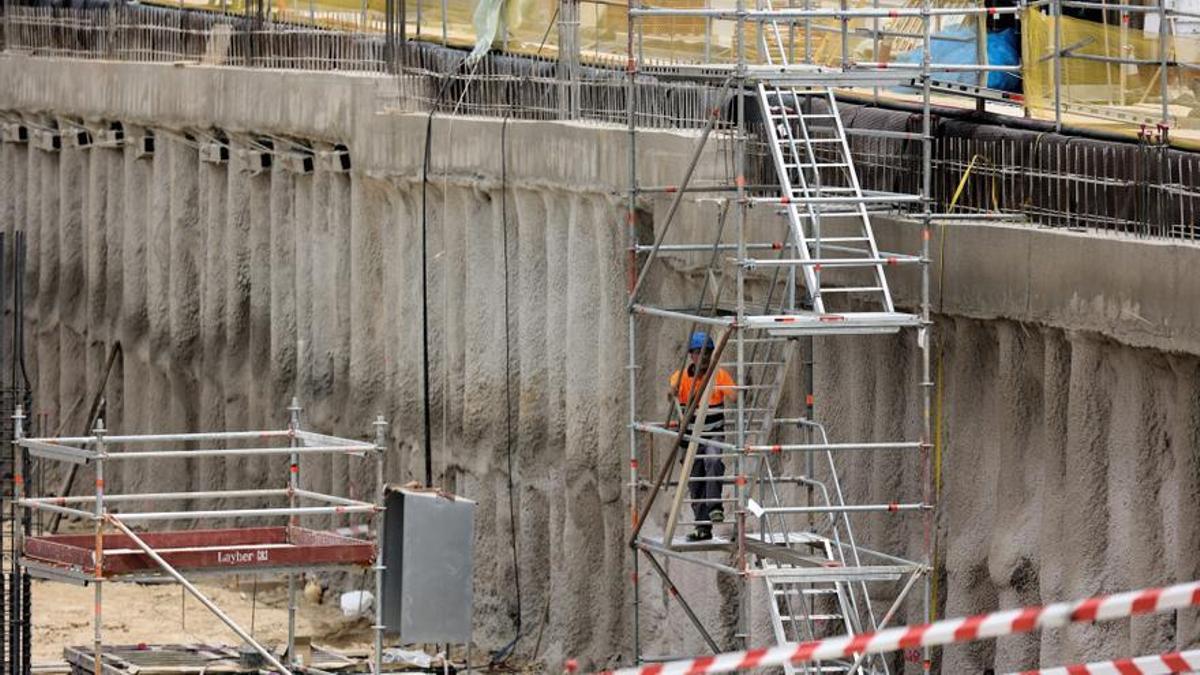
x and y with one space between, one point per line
1095 91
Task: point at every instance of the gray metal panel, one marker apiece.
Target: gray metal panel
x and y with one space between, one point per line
428 552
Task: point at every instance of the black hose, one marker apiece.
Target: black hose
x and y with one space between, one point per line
984 118
427 426
505 651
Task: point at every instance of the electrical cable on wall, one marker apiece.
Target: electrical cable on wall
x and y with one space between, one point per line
504 652
427 427
512 509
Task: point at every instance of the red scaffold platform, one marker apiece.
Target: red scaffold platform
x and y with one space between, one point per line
215 550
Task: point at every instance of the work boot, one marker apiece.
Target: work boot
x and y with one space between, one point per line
701 533
717 516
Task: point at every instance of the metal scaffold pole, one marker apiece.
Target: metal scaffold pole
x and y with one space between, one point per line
633 281
1056 12
924 333
380 565
294 521
741 134
1163 69
18 536
98 581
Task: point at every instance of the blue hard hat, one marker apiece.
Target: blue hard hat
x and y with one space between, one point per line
700 340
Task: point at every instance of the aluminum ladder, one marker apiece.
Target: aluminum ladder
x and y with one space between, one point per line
818 180
815 590
802 612
766 368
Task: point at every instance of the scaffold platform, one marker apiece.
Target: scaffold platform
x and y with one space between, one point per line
72 556
114 551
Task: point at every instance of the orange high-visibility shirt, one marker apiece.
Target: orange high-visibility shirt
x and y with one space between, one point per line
723 387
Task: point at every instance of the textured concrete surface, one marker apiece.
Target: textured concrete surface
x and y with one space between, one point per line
1069 363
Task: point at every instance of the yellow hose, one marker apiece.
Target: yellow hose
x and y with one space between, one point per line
938 389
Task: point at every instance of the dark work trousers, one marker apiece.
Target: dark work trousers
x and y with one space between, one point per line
705 467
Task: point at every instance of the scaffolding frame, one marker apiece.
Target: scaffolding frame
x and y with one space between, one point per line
742 327
50 558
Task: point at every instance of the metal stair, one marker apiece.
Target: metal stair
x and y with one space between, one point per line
816 576
826 208
825 275
770 359
766 367
824 203
815 589
811 567
802 612
817 271
804 608
844 272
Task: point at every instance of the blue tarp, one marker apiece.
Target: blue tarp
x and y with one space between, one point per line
958 46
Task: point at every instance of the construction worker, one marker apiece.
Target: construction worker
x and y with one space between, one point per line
707 472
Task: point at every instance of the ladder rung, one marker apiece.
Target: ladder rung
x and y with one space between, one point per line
798 202
836 188
827 262
802 141
851 289
865 254
814 617
806 591
825 211
819 165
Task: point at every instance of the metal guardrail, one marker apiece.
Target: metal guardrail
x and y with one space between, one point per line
427 77
151 34
1141 189
1056 181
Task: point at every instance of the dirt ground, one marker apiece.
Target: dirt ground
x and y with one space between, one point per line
163 613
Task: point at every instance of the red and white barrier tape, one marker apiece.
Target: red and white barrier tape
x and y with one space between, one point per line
1161 664
938 633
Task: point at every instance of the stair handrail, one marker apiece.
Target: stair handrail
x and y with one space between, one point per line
845 517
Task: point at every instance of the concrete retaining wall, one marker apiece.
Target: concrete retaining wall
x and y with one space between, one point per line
1069 362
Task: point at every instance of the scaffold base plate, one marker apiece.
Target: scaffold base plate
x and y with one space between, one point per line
230 549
